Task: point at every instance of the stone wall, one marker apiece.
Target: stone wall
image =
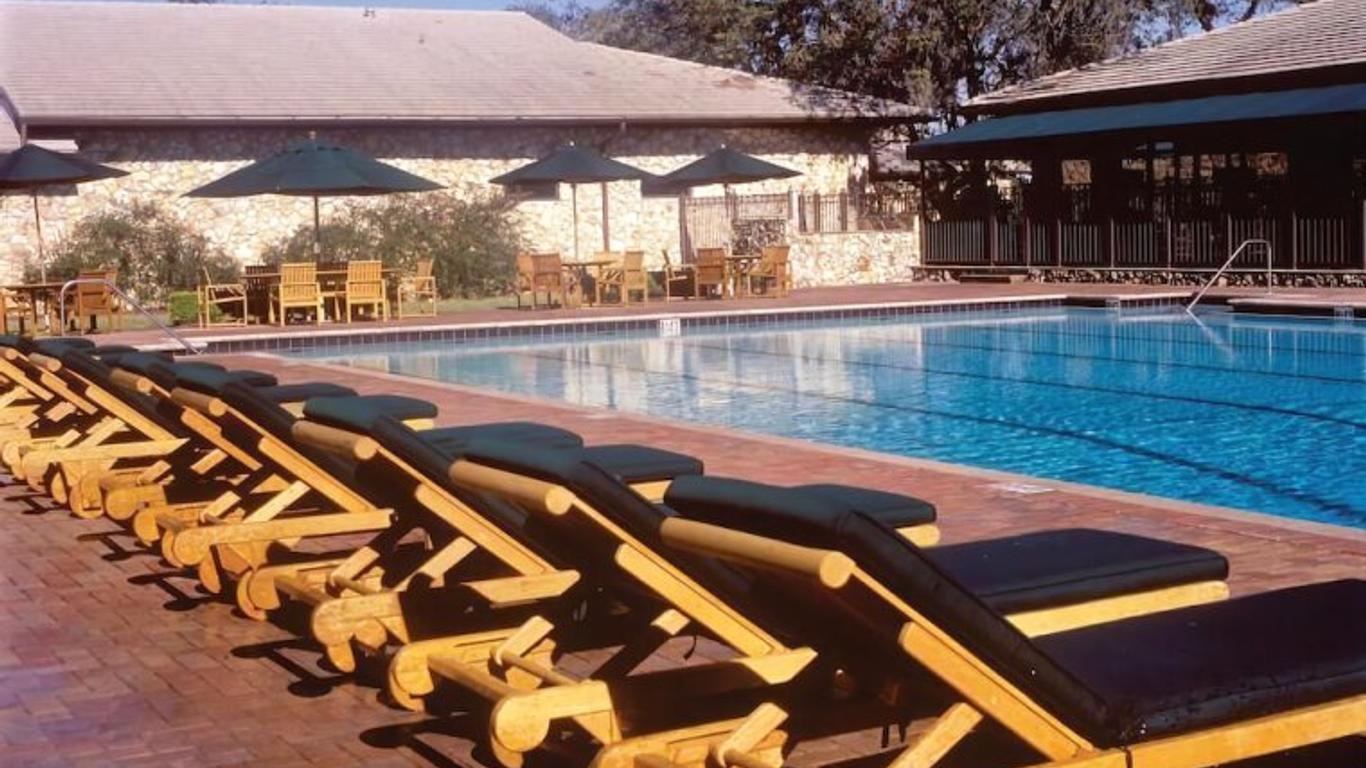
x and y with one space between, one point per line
850 258
163 164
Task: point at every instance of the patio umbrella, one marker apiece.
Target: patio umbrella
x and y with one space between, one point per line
32 167
724 166
574 165
315 169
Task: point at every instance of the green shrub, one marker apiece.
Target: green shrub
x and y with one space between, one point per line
182 307
154 252
474 243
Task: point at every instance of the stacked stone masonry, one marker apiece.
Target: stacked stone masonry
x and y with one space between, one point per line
163 164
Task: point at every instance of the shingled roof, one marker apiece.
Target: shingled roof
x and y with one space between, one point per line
138 63
1319 43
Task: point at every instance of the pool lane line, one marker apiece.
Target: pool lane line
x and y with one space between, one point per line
1127 360
1333 509
1191 400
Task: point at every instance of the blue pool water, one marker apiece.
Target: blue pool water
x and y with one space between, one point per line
1260 414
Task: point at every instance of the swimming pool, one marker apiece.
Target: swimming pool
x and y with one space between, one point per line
1254 413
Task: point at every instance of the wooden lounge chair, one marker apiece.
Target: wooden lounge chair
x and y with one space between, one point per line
420 288
365 288
366 600
710 272
627 277
602 527
298 289
771 274
115 429
225 299
1195 686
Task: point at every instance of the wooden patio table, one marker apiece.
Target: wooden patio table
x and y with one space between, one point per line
581 269
36 292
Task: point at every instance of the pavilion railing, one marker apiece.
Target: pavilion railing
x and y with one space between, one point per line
1318 241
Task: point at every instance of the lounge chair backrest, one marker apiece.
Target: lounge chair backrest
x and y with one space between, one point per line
899 566
711 265
526 265
298 282
633 262
364 280
424 269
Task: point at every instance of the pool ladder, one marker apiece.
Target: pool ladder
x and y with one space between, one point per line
132 302
1233 257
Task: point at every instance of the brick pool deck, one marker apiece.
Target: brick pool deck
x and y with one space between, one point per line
109 657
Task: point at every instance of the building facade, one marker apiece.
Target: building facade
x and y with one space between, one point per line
457 97
1161 165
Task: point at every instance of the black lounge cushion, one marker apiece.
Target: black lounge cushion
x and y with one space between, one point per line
574 470
77 360
1053 568
1234 660
299 393
111 352
359 414
1067 673
804 514
452 441
54 347
1010 574
253 404
641 463
141 363
211 379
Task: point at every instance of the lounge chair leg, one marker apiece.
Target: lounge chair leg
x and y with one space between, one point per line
943 735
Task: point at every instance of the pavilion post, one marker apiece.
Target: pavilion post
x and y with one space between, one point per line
606 225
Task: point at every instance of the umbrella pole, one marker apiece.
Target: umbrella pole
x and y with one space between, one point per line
606 225
574 207
38 225
317 232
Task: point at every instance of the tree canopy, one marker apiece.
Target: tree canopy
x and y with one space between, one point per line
930 54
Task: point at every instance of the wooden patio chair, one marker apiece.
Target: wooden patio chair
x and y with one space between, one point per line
710 272
771 274
627 276
678 279
298 289
538 272
91 300
365 288
419 287
1178 688
229 299
596 525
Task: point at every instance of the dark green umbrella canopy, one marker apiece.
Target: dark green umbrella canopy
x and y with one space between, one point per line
572 164
312 168
724 166
31 166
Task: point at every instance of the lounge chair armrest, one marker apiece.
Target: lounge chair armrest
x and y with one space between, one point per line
333 440
46 363
527 491
827 566
198 401
131 381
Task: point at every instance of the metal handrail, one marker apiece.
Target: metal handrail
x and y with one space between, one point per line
61 302
1233 257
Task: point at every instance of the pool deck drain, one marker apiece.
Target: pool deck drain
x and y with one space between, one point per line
108 657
